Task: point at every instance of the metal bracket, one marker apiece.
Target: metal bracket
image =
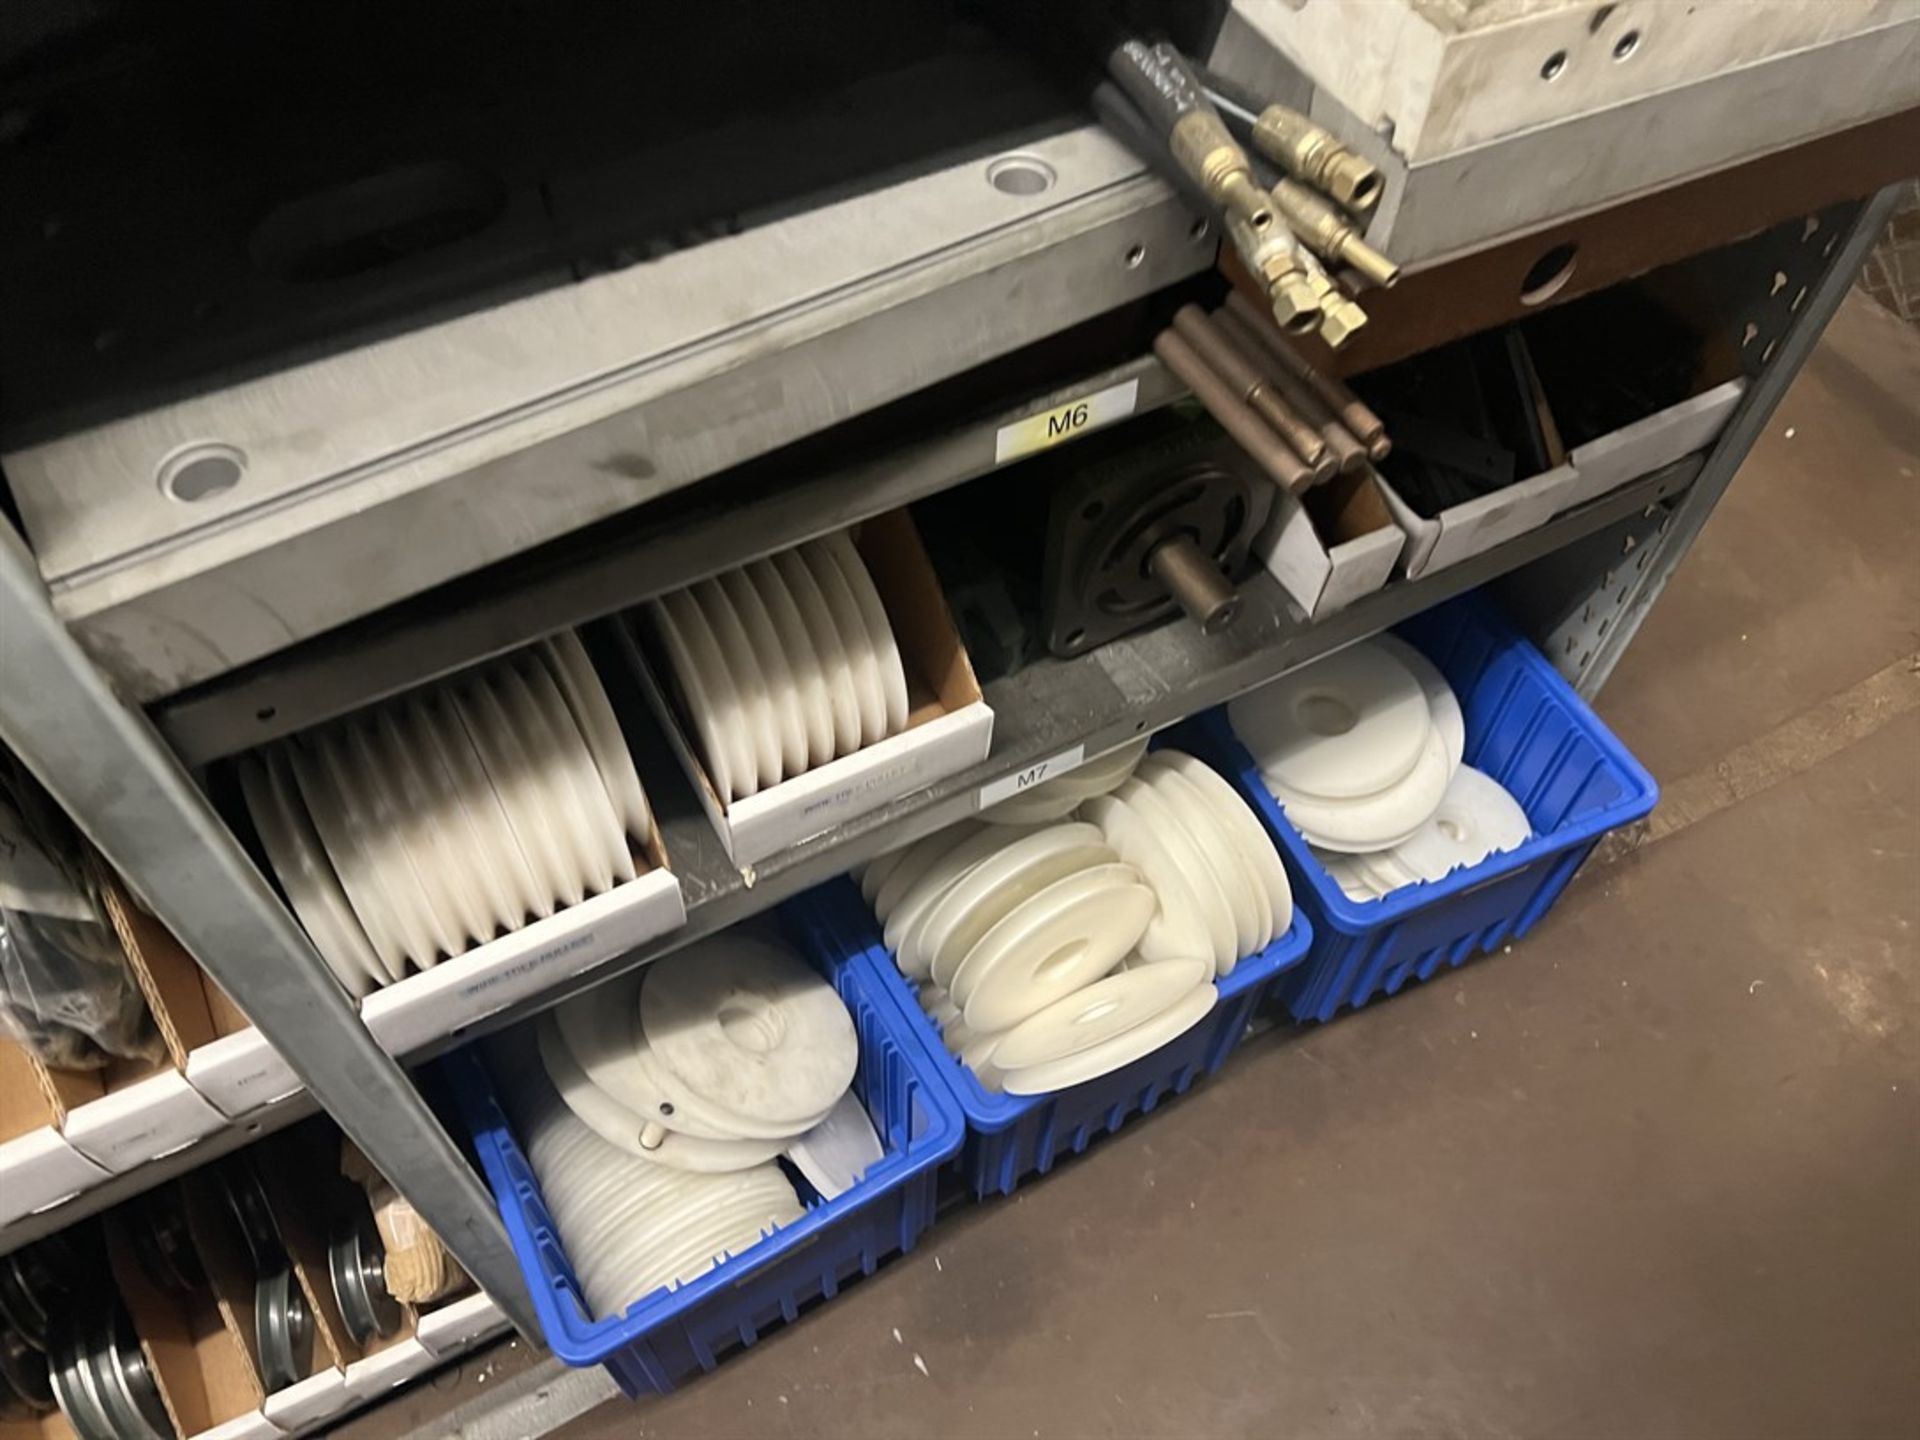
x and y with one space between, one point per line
103 761
1585 603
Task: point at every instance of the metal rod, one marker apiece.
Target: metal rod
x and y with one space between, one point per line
1353 412
1233 413
1349 454
1193 579
104 762
1226 361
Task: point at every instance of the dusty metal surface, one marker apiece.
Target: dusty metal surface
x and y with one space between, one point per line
193 538
1497 129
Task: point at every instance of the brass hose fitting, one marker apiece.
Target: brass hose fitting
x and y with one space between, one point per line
1276 259
1204 148
1340 319
1327 231
1316 156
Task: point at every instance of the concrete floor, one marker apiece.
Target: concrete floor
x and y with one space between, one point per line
1655 1172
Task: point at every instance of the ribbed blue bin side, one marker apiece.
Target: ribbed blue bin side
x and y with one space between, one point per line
1527 729
672 1335
1013 1137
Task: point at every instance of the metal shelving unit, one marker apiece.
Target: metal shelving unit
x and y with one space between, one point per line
126 774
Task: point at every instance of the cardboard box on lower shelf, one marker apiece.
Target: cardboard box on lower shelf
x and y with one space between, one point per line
64 1131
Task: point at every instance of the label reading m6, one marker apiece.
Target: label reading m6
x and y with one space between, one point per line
1065 421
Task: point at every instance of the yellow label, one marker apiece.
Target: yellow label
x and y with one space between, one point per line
1065 421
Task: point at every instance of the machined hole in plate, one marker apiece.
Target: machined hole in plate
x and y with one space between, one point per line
1020 175
1548 275
1136 256
199 472
1555 67
1200 229
1626 45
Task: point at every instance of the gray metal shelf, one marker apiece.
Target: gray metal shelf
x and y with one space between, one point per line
596 574
129 791
1130 687
352 481
129 1183
1144 682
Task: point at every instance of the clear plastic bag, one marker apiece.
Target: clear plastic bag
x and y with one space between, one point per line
67 993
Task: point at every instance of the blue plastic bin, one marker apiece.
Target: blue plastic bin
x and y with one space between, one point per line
1013 1137
672 1335
1528 730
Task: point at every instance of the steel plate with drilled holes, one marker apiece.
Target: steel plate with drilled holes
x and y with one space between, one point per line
188 540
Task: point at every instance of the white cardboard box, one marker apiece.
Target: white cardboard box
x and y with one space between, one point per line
454 1327
241 1073
1461 531
39 1169
155 1117
1324 578
378 1373
1638 449
315 1398
252 1426
949 727
438 1002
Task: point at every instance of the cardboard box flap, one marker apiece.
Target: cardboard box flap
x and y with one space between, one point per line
929 641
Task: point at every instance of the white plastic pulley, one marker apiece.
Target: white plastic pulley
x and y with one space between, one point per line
750 1027
1250 838
1442 703
986 895
1476 818
1122 1049
631 1132
1096 1014
1351 724
1372 822
1178 931
1067 936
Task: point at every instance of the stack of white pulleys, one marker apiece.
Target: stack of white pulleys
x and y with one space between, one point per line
1060 948
717 1060
628 1225
783 665
421 827
1363 751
